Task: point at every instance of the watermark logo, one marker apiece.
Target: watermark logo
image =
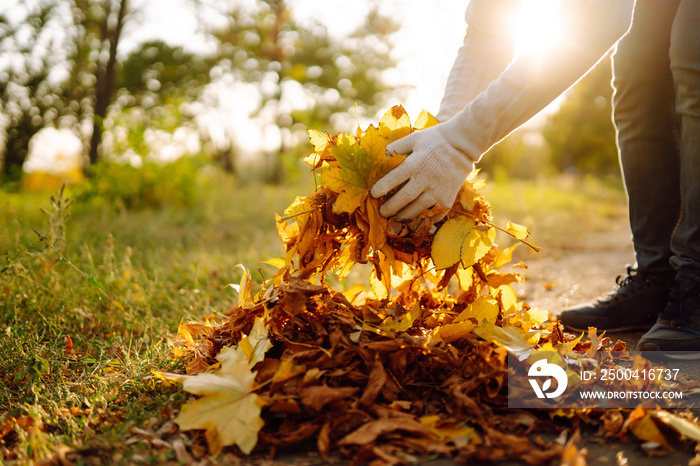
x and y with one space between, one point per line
542 368
602 379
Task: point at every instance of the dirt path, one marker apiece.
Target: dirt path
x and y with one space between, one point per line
559 278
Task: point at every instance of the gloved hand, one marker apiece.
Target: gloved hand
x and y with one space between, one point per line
434 170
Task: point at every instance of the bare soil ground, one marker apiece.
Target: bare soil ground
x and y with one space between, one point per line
556 279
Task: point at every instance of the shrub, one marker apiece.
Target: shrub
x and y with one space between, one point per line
179 183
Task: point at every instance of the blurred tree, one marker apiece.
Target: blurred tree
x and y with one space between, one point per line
155 86
264 45
580 134
157 71
577 137
29 78
522 155
61 66
100 24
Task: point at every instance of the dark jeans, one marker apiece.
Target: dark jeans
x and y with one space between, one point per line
657 116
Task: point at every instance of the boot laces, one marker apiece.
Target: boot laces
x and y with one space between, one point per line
623 282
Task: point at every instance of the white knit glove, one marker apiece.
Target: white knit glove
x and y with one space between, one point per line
434 172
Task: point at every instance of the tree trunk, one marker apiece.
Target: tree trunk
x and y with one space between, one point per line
16 146
227 158
277 54
106 76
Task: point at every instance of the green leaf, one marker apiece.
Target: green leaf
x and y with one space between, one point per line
95 283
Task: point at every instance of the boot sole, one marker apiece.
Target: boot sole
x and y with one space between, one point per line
624 328
680 355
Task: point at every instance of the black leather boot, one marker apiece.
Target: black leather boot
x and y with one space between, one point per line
678 326
634 305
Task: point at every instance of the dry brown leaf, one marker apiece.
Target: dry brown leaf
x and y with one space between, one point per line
317 396
370 431
377 379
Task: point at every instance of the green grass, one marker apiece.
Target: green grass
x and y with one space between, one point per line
117 282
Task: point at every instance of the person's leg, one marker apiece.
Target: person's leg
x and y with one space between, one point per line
678 327
646 133
647 143
685 65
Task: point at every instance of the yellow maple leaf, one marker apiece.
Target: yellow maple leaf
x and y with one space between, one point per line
320 142
425 120
351 188
256 344
374 144
228 410
360 165
395 124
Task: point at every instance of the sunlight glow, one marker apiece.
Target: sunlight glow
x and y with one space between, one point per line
538 27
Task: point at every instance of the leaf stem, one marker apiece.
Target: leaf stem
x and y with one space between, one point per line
288 217
526 243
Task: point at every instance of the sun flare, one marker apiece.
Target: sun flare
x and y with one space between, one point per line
538 27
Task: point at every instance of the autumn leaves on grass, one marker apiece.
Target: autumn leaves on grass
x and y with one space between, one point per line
355 367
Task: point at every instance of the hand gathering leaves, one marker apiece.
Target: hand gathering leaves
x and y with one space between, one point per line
415 362
339 225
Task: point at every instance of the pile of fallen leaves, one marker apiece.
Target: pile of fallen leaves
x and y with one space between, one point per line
413 364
